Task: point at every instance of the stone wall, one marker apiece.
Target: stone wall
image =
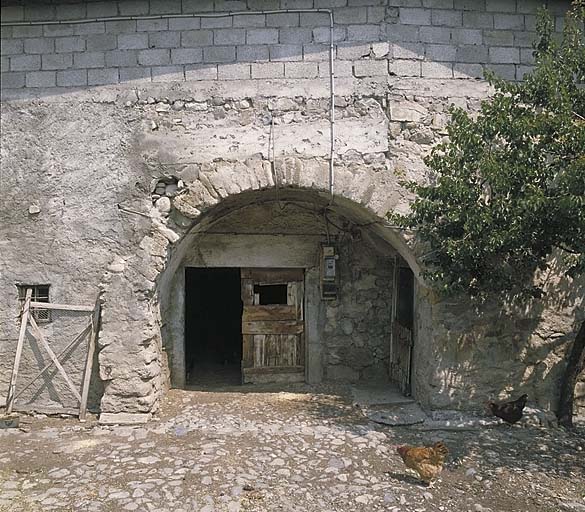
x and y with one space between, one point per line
87 138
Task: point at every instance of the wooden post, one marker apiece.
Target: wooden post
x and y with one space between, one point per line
39 336
89 361
19 344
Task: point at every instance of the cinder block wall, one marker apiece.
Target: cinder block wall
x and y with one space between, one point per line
411 38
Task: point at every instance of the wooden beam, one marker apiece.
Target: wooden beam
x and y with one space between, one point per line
39 336
270 370
89 361
272 312
266 327
272 275
62 307
18 354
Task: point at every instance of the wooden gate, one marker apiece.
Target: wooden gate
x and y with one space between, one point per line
400 357
273 332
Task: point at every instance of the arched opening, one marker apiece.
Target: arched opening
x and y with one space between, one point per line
316 286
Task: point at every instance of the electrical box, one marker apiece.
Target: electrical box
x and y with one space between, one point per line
329 272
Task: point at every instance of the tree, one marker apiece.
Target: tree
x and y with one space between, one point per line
509 186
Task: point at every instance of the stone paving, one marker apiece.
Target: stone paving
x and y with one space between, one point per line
303 449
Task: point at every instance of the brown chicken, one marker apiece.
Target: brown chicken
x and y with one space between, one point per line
510 412
427 461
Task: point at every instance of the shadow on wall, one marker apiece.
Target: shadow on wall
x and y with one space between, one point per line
513 346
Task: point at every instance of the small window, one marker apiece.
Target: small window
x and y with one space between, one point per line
40 293
271 294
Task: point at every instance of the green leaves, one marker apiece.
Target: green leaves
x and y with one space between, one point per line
510 184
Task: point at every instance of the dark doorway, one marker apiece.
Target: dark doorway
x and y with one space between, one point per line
213 326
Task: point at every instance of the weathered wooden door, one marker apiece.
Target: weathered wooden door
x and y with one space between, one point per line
273 329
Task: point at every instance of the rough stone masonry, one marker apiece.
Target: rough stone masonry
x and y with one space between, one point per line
129 138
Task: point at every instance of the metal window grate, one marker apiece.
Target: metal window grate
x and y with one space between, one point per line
40 293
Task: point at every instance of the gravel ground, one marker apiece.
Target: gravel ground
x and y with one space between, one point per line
306 449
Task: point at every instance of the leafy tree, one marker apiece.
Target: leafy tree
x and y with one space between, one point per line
509 188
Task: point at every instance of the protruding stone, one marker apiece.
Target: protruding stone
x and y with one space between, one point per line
163 205
34 209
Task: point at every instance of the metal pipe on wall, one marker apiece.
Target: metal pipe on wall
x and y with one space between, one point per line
224 15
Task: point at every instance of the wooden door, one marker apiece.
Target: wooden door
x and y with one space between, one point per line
273 329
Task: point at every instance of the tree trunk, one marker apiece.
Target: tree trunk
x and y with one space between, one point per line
574 367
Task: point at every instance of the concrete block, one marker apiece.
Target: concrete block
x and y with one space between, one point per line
316 19
404 67
132 41
57 61
500 5
102 76
470 5
164 39
229 36
168 74
233 5
348 16
121 27
370 68
186 55
152 25
234 71
192 38
478 20
435 35
35 11
192 6
58 30
286 52
122 58
89 60
252 53
505 71
256 5
527 56
219 54
530 22
342 68
504 55
262 36
102 9
301 69
69 44
4 64
32 31
72 78
165 6
522 70
39 45
41 79
25 63
446 18
380 50
408 51
466 36
441 52
123 418
268 70
248 21
141 74
282 20
414 16
157 57
376 14
363 33
98 27
184 24
467 70
472 53
295 35
101 42
402 33
437 70
498 37
201 72
316 52
224 22
527 6
509 21
321 34
12 80
438 4
133 7
10 13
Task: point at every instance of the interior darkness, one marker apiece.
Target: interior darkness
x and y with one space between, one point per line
271 293
213 325
405 304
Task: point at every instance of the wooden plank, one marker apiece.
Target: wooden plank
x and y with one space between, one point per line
273 275
62 307
247 350
247 291
89 360
272 312
268 327
258 343
271 370
39 336
23 323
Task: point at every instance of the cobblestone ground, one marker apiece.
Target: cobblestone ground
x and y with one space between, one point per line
306 449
